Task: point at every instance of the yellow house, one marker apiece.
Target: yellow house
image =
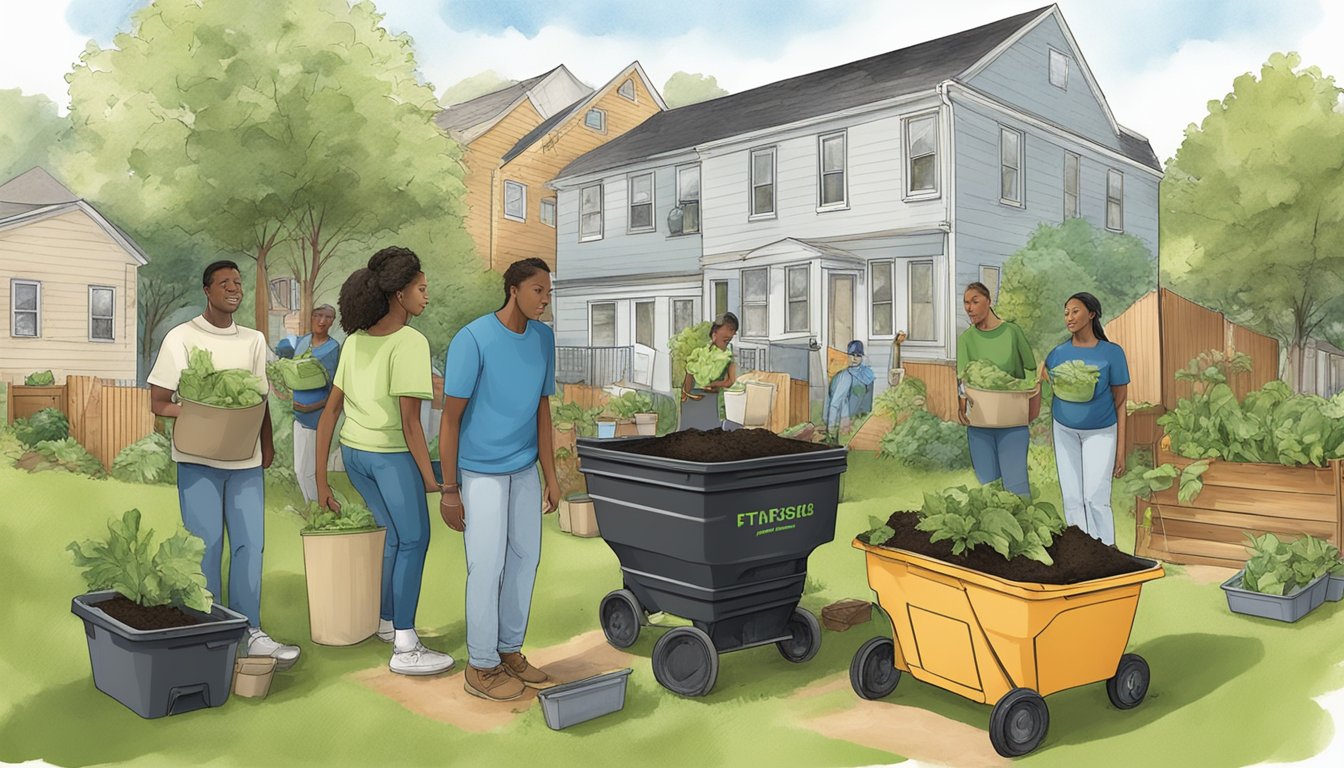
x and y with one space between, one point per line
67 282
518 138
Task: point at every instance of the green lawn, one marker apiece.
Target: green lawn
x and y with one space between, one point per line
1227 690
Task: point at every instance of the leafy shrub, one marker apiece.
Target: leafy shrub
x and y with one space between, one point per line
924 441
898 402
353 516
39 379
46 424
680 346
147 460
67 455
170 576
1278 568
584 420
706 364
628 404
982 374
202 383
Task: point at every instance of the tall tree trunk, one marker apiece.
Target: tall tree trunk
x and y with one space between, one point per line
262 298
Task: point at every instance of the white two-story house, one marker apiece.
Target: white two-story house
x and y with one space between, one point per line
851 203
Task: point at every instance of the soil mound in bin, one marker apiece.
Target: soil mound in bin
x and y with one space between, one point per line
1078 557
138 616
716 445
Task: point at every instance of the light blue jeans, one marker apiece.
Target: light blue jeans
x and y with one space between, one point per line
1001 453
217 500
503 541
1086 460
395 493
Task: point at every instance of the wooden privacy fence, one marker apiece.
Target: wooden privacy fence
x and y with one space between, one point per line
104 416
940 379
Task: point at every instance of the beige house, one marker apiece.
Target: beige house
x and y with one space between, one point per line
67 283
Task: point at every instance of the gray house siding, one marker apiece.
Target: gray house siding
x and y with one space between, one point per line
1021 77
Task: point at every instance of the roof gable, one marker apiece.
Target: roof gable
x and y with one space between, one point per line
36 195
470 119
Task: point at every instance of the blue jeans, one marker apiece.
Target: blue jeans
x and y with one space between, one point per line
213 501
1001 453
503 540
394 491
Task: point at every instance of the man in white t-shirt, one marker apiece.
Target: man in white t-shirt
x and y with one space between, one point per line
223 495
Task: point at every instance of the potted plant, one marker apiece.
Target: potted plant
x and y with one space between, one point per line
222 410
157 641
1334 591
343 566
634 414
1282 581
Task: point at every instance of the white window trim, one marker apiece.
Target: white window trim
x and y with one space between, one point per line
14 309
890 266
1021 201
672 313
936 192
998 281
1077 186
751 184
910 303
522 198
700 219
547 202
742 290
602 113
633 95
601 213
1049 69
112 317
807 298
1107 212
615 330
630 203
843 204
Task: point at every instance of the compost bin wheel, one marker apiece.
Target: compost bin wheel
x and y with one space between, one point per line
685 662
806 640
1130 683
873 672
1018 723
621 613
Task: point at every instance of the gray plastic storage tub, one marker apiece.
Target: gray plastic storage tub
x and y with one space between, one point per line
583 700
1289 607
161 671
1334 589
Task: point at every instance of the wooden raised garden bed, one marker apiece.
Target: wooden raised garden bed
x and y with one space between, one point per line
1239 497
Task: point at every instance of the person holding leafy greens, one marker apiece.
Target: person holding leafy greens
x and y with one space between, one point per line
309 403
381 379
216 495
996 453
1089 425
709 371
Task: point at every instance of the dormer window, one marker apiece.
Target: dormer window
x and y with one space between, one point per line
596 119
627 89
1059 69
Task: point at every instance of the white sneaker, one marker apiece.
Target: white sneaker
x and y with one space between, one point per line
420 661
260 644
386 632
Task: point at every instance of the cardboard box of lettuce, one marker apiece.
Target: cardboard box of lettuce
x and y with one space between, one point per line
221 410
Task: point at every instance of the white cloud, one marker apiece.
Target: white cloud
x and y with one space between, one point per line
37 48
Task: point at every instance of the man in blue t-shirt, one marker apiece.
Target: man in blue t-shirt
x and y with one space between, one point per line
309 403
497 382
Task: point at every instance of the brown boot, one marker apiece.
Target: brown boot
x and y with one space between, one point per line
494 684
517 666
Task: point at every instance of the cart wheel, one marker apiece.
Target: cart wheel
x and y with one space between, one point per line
1130 683
686 662
620 613
873 672
1018 723
806 640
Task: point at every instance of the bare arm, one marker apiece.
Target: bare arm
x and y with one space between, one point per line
415 439
161 402
546 452
1119 394
267 436
450 429
326 427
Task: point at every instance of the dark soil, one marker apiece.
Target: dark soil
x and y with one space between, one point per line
715 445
138 616
1078 557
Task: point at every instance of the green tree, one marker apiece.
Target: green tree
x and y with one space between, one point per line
1061 260
1252 205
30 132
685 88
479 84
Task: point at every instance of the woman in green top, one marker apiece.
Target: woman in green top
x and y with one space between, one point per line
995 453
697 410
380 382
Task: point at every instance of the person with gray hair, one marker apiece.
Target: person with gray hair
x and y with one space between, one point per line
309 403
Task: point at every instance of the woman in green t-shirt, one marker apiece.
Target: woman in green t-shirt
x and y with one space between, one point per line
995 453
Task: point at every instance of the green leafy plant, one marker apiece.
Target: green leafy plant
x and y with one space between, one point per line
681 345
1278 568
898 402
1214 367
67 455
706 364
1135 406
990 515
880 533
573 415
924 441
1191 481
982 374
1074 380
353 516
127 562
39 379
147 460
46 424
628 404
304 368
434 448
202 383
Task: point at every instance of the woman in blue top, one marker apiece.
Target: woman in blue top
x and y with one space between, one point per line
1087 434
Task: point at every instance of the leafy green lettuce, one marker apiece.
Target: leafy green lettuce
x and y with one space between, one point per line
128 562
353 516
982 374
1278 568
39 379
990 515
202 383
46 424
706 364
1075 380
147 460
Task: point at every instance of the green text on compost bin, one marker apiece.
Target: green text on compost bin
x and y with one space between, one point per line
764 517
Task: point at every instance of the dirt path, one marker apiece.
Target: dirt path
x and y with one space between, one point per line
1208 574
443 698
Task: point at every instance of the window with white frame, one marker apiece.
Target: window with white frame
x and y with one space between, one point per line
548 211
627 89
1071 177
602 324
688 198
796 319
720 290
831 192
1059 69
923 325
683 314
763 182
590 212
1010 166
25 308
641 203
921 152
756 302
644 319
990 277
1115 200
102 313
883 303
515 201
596 119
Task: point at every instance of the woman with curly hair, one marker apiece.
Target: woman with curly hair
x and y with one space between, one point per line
381 379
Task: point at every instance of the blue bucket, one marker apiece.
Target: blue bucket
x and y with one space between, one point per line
606 429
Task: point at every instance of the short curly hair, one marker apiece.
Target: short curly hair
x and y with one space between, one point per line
364 295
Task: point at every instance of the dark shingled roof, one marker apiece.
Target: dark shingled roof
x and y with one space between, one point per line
32 190
545 127
908 70
460 117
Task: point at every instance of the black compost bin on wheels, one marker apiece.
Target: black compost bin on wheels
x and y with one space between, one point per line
723 544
